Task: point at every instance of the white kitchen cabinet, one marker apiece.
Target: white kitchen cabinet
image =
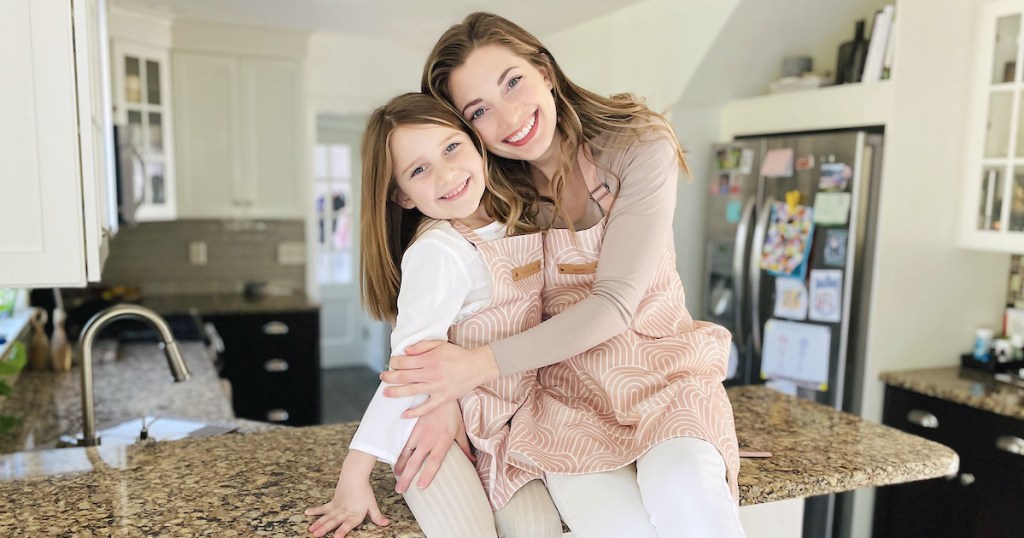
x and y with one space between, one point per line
993 213
142 111
239 135
56 219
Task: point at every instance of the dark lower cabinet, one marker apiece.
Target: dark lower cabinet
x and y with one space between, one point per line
984 498
273 363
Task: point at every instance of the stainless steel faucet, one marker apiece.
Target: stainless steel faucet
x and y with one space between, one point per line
85 341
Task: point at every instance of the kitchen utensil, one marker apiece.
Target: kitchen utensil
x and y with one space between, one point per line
60 351
39 348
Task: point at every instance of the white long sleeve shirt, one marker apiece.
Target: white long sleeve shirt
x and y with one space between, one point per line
444 280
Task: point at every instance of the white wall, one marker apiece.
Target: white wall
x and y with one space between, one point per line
928 295
697 129
651 49
354 75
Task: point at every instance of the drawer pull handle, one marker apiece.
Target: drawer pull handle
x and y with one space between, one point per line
966 479
923 419
277 415
275 328
1010 443
275 366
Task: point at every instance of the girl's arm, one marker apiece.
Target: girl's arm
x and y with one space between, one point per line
435 286
638 232
353 499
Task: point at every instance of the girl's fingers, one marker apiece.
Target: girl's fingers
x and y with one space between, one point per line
350 523
376 517
318 511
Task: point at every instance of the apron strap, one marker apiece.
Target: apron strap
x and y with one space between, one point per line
465 232
599 190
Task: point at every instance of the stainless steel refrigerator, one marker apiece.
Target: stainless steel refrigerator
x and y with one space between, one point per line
789 275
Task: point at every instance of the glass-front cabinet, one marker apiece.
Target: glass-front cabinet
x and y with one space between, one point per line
142 119
994 212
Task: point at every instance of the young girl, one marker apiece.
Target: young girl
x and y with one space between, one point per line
631 425
426 207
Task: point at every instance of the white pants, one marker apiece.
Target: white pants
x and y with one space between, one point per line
676 490
454 505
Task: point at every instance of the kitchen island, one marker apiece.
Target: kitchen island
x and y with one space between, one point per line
258 484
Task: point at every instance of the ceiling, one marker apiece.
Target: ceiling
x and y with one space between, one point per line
410 20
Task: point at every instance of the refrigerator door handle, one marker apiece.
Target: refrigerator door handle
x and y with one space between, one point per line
757 245
739 256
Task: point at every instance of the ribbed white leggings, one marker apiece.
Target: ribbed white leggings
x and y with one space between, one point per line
676 490
454 505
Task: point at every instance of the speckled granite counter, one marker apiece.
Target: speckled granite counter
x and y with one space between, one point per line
137 383
227 304
969 387
258 485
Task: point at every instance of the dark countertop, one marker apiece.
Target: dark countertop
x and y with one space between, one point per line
227 304
259 484
963 386
137 383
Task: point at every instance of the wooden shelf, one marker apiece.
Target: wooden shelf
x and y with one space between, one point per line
831 107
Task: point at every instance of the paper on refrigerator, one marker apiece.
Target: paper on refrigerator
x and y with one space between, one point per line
798 352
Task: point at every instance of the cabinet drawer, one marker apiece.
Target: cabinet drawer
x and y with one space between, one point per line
244 334
932 418
291 407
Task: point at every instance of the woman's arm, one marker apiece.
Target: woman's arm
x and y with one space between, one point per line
638 232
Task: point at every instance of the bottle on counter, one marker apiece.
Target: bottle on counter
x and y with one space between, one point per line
982 343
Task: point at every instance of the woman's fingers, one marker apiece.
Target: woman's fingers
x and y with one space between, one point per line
401 390
431 465
424 408
411 468
423 346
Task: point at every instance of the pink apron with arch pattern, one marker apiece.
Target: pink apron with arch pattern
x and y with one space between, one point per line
660 379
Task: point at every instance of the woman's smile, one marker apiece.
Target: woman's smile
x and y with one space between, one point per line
524 134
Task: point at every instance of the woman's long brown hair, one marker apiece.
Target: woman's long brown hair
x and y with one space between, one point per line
386 228
582 115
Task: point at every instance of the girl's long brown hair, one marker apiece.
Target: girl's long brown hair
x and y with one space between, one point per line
582 115
386 228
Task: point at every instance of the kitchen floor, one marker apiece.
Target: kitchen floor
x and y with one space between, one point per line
346 393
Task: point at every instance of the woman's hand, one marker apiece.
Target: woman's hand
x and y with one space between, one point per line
429 443
441 370
353 499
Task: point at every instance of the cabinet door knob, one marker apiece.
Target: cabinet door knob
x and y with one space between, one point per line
275 328
1010 443
966 479
276 365
277 415
923 419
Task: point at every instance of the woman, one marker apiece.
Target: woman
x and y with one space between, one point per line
631 426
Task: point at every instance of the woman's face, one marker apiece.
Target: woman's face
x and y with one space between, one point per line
508 100
438 171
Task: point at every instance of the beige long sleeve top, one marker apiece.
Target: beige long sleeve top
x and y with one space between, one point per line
639 230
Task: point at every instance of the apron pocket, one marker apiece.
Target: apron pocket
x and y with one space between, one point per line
577 268
525 271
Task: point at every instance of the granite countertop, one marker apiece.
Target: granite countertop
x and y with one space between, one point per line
259 484
130 380
963 386
227 304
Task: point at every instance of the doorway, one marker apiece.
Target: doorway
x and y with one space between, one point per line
348 337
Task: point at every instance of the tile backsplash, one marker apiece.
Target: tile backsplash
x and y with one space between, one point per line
156 256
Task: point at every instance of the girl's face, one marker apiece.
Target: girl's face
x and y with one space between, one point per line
438 171
508 100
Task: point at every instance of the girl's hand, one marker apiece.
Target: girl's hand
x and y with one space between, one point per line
353 499
429 443
445 372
